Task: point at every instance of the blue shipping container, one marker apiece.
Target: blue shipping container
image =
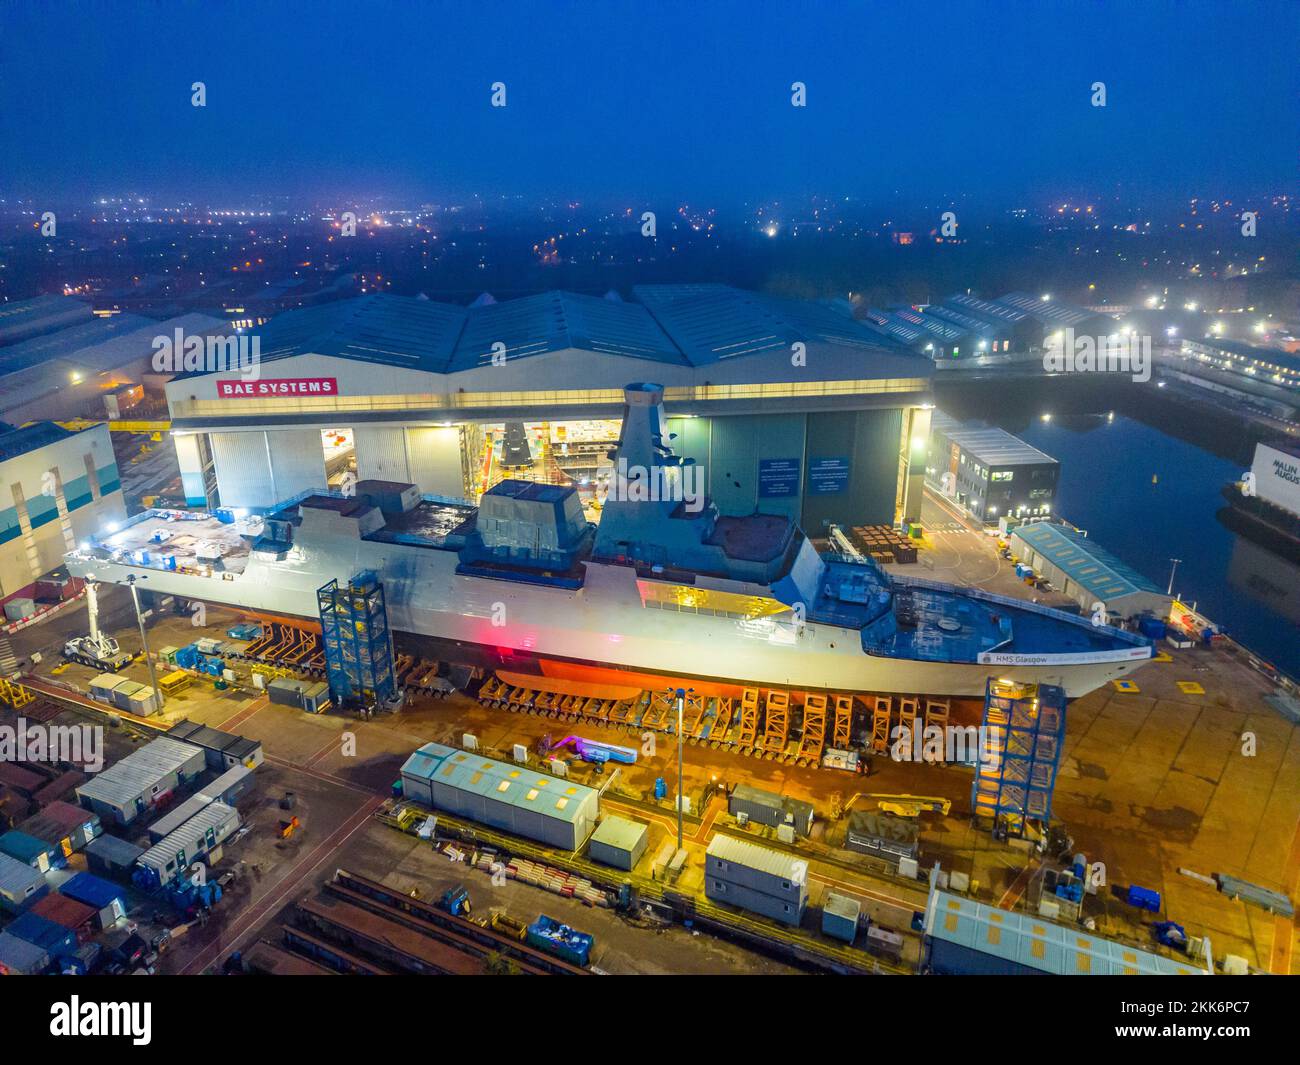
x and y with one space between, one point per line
93 891
44 933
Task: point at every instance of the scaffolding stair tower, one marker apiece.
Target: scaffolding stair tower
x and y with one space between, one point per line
358 643
1023 736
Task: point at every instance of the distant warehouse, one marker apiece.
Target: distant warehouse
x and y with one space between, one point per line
515 798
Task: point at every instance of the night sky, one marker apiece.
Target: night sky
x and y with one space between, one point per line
989 101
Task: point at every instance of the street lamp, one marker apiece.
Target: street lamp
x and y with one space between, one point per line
144 640
681 711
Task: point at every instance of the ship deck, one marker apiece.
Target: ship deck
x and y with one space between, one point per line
931 622
180 541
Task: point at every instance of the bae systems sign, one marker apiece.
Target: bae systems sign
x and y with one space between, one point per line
278 386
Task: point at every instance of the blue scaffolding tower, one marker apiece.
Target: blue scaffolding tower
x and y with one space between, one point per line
358 644
1021 742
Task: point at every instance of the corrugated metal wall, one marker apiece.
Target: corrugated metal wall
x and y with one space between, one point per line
730 450
243 469
381 453
297 461
434 455
190 461
870 439
259 469
737 447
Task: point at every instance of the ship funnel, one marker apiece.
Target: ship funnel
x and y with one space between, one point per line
642 441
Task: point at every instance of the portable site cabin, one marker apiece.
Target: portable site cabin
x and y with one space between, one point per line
126 695
502 795
52 938
177 816
308 695
77 917
769 808
20 958
111 857
758 879
141 780
101 687
231 786
64 826
964 937
20 885
227 788
107 899
193 841
40 855
223 750
619 842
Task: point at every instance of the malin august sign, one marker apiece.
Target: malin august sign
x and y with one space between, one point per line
278 386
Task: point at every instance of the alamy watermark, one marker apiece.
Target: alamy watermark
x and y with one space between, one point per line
35 742
194 353
954 744
632 483
1126 352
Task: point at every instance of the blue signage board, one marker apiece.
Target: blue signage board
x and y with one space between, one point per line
828 476
778 477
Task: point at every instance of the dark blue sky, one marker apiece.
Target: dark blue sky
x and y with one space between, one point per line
657 97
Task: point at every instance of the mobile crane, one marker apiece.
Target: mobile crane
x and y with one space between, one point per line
95 650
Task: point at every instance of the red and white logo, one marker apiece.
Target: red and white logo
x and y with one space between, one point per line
278 386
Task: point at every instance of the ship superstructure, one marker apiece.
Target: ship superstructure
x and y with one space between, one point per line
665 587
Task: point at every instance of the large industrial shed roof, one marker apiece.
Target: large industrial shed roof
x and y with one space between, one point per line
1035 943
1087 564
1049 312
24 318
993 447
935 326
554 321
711 322
994 312
677 325
894 328
15 442
1241 350
515 785
417 334
70 342
961 319
70 350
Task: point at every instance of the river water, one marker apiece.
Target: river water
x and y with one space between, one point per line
1144 478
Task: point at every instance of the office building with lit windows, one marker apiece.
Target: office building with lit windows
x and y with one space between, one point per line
988 472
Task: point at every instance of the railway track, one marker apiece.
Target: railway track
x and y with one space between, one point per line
476 940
